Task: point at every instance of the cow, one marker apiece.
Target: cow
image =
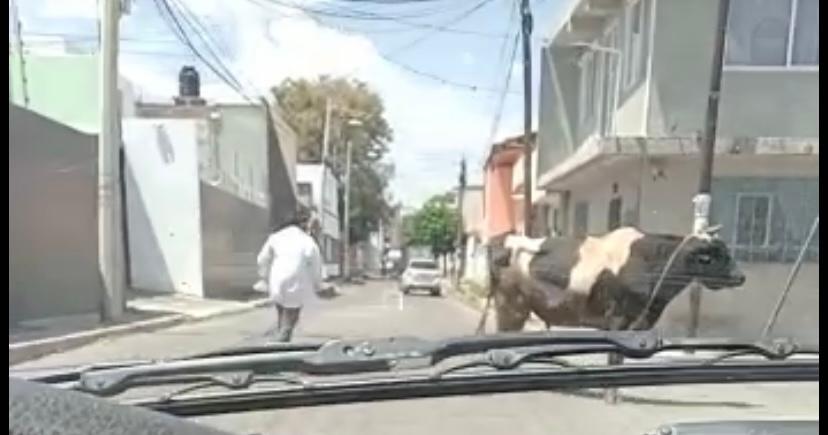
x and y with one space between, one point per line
617 281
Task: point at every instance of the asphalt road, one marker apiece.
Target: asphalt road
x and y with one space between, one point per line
377 309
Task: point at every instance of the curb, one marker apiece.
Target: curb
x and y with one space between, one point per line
34 349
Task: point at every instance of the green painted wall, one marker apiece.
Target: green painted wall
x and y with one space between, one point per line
61 87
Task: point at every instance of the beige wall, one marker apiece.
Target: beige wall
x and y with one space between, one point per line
630 119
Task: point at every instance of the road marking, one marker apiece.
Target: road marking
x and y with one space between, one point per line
401 305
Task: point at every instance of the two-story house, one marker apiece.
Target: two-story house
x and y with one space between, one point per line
624 91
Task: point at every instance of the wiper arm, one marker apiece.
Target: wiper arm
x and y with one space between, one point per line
383 355
507 359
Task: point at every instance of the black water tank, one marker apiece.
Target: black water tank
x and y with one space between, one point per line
189 83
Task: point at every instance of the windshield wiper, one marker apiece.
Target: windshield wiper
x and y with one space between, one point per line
397 354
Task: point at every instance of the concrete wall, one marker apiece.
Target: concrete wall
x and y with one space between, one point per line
238 139
53 248
233 230
163 209
281 165
753 103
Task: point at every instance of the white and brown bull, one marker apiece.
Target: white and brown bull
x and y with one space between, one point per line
605 282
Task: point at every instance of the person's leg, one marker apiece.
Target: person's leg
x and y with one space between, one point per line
277 328
291 318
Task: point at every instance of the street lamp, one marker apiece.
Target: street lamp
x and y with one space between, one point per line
346 258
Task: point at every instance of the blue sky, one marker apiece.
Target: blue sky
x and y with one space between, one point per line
262 41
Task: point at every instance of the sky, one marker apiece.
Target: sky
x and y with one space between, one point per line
441 85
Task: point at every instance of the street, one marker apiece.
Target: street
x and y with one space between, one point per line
376 309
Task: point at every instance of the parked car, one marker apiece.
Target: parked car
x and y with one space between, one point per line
421 274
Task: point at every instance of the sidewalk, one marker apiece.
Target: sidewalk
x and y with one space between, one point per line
145 312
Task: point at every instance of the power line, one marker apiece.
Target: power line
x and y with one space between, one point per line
190 19
467 13
502 97
175 25
374 17
442 80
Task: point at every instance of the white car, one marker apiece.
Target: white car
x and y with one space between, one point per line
421 274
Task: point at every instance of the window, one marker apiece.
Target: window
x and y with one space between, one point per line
773 33
753 218
581 219
614 209
634 19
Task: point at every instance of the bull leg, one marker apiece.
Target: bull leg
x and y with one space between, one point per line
512 310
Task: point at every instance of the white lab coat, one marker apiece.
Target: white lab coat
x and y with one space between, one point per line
292 266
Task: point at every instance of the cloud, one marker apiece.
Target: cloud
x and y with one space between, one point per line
467 58
68 9
435 124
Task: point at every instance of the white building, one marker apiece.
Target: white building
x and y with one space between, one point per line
318 187
205 184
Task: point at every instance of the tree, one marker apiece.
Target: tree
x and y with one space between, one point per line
435 226
304 104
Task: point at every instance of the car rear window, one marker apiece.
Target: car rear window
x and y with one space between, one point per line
423 265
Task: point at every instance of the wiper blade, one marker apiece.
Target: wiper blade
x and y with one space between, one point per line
420 386
390 354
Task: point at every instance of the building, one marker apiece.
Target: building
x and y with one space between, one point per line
318 187
624 88
205 184
474 264
72 97
53 246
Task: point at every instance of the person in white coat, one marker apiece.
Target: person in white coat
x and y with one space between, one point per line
291 265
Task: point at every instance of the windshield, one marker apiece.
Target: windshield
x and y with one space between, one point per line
428 265
196 175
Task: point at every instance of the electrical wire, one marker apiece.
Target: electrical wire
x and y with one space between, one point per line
171 19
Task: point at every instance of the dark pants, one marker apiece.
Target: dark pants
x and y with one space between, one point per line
287 318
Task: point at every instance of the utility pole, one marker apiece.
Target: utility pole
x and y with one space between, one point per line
110 238
461 248
18 47
526 31
326 135
324 177
701 202
346 235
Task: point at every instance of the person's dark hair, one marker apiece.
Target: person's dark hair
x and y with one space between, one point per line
299 218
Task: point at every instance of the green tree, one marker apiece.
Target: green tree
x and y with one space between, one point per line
435 226
304 102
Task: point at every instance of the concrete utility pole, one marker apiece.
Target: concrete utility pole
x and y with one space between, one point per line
526 30
701 202
346 236
461 248
18 47
110 237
